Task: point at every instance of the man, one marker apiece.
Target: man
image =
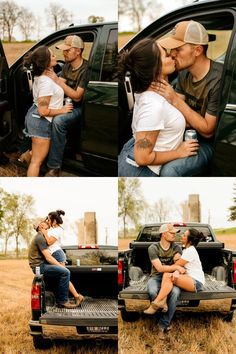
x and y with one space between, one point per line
196 95
162 256
39 256
72 80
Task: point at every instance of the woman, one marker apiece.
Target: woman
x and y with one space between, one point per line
48 102
193 280
53 237
157 126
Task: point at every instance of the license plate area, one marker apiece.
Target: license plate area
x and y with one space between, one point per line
97 329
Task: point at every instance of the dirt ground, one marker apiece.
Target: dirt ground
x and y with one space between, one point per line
16 278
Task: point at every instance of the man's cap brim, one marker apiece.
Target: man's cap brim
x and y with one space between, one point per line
170 43
63 47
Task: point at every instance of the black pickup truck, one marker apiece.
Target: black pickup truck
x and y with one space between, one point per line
219 265
219 18
92 146
96 318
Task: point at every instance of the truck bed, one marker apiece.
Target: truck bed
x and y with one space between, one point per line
212 290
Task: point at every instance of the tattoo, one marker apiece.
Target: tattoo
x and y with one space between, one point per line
144 143
43 103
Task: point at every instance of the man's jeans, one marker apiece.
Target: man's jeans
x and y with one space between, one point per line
189 166
60 125
153 287
62 275
126 163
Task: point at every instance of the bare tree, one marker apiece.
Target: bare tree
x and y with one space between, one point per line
137 9
57 16
95 19
163 210
26 23
9 14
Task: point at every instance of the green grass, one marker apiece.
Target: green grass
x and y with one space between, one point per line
228 231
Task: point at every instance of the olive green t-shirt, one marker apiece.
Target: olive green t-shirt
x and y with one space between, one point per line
155 251
35 255
203 95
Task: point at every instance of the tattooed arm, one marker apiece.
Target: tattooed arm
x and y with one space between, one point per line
145 155
45 111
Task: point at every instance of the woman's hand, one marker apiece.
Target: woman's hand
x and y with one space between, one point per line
67 108
188 148
175 275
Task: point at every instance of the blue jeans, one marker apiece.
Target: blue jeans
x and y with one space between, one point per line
189 166
37 126
153 287
60 125
126 163
60 256
62 275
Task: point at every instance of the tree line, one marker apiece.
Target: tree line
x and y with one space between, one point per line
134 209
16 219
13 16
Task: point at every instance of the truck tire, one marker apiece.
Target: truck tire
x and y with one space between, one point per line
129 316
41 343
229 316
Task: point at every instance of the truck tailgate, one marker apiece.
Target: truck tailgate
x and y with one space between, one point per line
92 312
212 290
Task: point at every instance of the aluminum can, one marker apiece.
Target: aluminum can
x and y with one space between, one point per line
78 262
68 100
190 134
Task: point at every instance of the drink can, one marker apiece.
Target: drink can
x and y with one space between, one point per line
37 270
190 134
78 262
68 100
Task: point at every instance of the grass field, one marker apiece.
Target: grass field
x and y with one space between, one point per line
16 278
192 333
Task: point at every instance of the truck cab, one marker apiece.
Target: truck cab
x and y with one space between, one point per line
91 146
218 17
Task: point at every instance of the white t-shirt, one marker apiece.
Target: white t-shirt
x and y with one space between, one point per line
194 266
56 232
153 112
45 86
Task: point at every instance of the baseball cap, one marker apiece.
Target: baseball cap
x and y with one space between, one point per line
167 228
185 32
37 222
71 42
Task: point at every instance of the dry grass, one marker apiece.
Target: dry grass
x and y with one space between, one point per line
14 50
16 278
192 333
123 39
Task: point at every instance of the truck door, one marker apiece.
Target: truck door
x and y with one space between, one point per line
5 114
99 141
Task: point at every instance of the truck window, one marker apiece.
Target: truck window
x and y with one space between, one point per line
91 256
109 68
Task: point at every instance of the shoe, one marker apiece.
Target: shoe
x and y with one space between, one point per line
53 172
79 299
67 305
161 305
25 157
152 309
163 332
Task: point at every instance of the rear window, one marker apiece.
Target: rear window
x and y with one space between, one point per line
151 233
91 256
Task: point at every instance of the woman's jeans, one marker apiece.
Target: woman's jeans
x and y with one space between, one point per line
189 166
153 287
127 167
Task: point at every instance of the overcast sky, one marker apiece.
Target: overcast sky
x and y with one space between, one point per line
166 6
75 196
216 195
81 10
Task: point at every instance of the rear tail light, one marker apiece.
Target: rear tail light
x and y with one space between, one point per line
120 272
35 297
234 271
88 247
